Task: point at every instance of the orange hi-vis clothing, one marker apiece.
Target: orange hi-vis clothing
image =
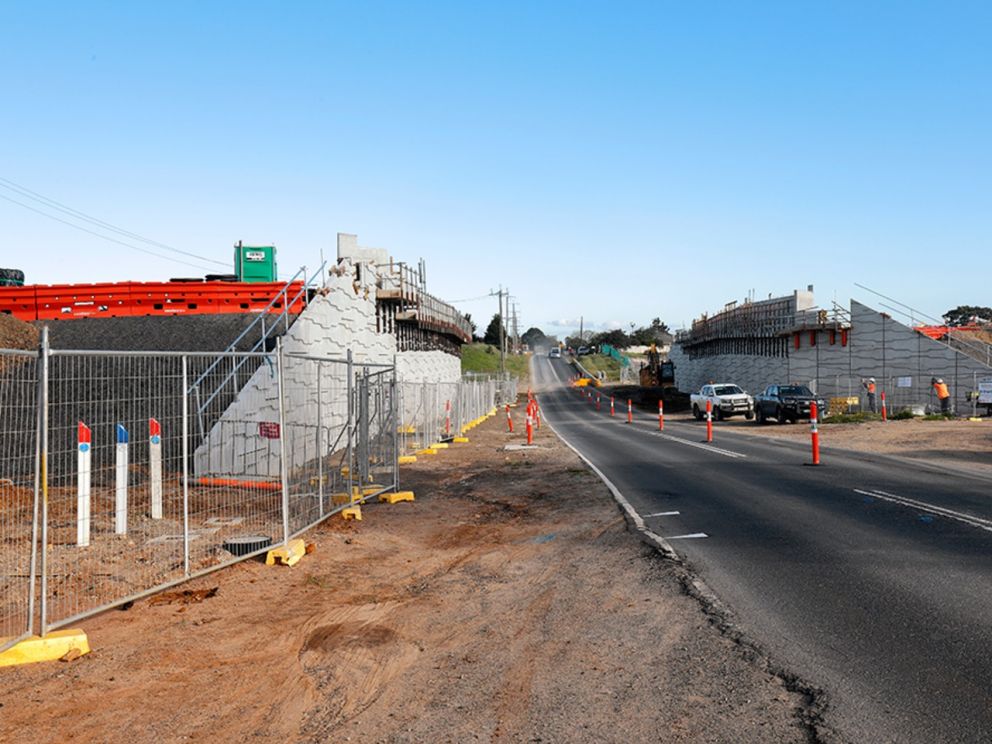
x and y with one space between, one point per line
941 389
871 388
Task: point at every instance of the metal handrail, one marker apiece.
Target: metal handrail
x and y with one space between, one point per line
266 332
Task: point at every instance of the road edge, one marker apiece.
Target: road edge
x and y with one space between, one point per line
810 716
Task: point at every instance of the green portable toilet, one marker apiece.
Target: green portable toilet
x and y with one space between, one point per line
255 263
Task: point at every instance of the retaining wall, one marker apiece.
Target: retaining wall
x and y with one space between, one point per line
878 346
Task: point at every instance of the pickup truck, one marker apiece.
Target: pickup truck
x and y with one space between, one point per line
727 399
787 403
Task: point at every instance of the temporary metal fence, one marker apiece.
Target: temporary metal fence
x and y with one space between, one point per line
971 394
119 479
432 412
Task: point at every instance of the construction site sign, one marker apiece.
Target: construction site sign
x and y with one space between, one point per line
268 429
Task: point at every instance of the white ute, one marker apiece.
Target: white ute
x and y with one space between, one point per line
727 399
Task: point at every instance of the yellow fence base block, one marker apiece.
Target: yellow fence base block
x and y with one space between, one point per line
340 498
427 451
406 430
51 647
369 490
460 440
396 497
288 555
440 445
345 470
352 512
407 459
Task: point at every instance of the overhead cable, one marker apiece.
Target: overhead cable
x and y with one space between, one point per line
78 215
105 237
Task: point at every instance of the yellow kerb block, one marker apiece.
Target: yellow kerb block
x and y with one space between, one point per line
393 498
288 555
48 648
407 459
427 451
440 445
352 512
460 440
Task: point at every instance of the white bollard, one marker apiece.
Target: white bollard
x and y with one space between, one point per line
84 471
155 465
120 500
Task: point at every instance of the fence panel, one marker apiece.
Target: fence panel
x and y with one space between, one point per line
18 490
114 523
319 449
163 466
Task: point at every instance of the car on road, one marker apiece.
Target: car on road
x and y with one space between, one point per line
555 353
583 350
727 400
787 403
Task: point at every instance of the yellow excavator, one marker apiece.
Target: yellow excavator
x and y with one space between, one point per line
657 373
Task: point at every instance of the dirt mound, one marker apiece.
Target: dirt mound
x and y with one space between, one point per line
17 334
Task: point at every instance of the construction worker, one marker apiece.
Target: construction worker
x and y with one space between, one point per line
869 386
943 394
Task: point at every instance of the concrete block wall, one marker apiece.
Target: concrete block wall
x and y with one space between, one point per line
878 346
340 318
751 372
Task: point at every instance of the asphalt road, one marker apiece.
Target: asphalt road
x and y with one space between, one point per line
870 579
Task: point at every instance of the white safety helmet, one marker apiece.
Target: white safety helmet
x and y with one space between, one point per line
871 379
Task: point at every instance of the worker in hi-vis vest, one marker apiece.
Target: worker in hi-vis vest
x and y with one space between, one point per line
943 394
869 386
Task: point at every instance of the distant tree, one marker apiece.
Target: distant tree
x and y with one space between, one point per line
615 338
493 331
535 337
650 334
968 314
574 342
471 324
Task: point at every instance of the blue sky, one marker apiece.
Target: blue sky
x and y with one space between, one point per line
620 161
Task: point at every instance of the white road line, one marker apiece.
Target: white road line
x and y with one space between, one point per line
620 498
701 445
660 514
693 536
968 519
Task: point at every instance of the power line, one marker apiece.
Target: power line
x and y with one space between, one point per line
105 237
471 299
78 215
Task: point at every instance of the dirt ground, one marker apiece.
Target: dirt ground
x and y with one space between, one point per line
508 603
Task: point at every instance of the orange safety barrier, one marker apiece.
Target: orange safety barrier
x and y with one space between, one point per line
233 483
123 299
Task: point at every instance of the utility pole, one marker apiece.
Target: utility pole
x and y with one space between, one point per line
581 338
502 331
516 331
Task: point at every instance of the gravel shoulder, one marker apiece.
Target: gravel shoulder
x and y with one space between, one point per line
508 603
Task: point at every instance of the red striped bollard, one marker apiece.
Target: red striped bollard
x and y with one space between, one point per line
613 411
447 418
709 421
661 416
509 419
630 412
537 412
815 434
530 427
884 415
597 401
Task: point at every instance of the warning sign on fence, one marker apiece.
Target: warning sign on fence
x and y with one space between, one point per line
268 429
985 391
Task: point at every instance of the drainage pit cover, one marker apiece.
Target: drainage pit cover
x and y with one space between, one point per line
245 544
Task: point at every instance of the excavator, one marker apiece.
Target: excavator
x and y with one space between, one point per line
657 373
